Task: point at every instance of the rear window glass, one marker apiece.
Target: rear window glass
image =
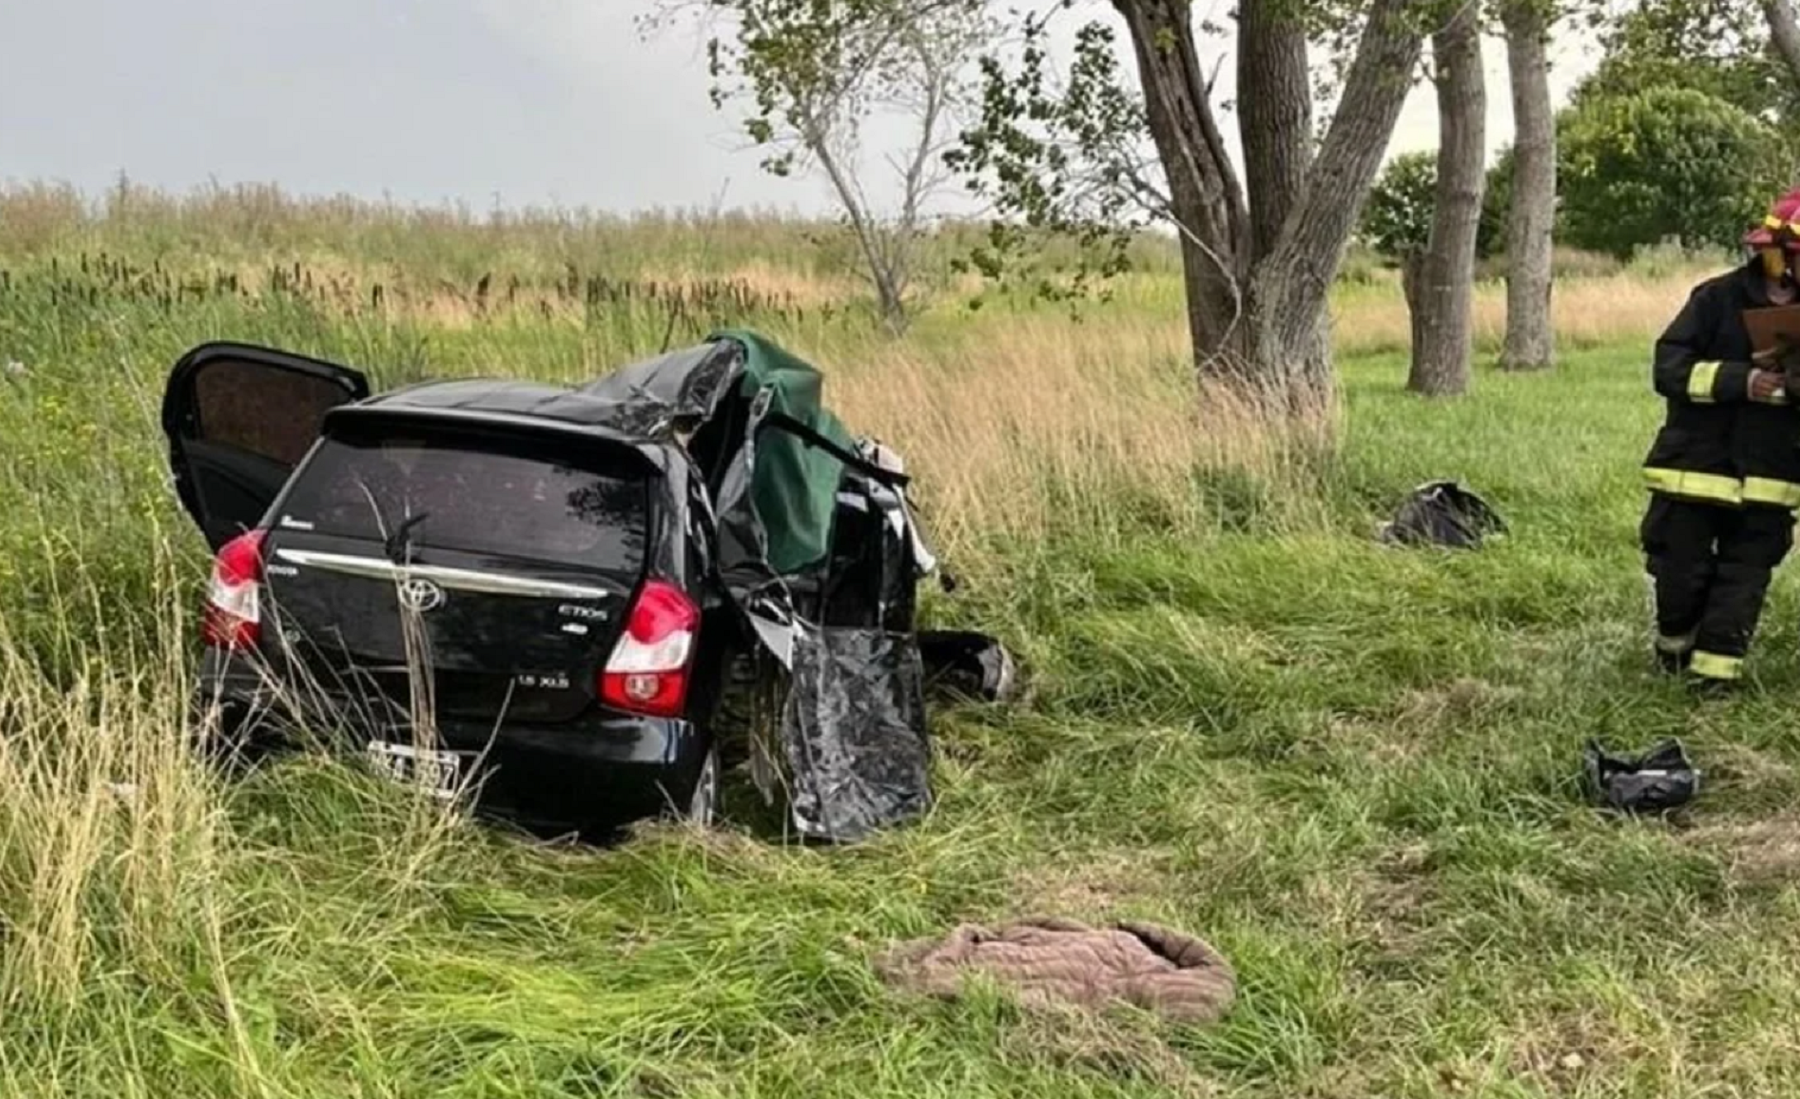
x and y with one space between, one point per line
510 497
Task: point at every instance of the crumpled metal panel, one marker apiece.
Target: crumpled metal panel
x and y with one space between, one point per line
743 538
853 732
671 392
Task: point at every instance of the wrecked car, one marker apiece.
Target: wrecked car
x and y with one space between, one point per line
559 597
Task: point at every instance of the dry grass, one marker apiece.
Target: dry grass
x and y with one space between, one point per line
766 279
101 812
1027 425
1628 307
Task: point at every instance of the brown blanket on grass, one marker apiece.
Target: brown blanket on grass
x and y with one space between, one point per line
1056 960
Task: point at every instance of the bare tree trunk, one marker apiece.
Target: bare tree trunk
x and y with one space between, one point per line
1258 314
1293 280
1205 198
862 223
1785 30
1412 273
1275 106
1276 112
1531 223
1442 313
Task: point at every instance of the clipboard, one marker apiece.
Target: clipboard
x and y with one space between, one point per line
1770 325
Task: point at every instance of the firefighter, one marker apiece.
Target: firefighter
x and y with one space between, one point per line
1724 471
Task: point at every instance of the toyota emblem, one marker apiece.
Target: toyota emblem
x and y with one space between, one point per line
420 595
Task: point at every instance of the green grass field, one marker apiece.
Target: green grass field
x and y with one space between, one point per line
1353 769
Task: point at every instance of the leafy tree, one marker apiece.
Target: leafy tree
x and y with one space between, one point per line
1092 153
1720 47
1664 163
1496 205
810 74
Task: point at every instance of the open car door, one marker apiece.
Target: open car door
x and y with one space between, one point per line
239 419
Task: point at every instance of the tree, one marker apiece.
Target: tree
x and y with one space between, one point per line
1259 253
1784 31
1720 47
1665 163
812 73
1530 191
1397 222
1746 52
1443 302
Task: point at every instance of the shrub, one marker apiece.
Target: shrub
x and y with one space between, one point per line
1396 219
1665 163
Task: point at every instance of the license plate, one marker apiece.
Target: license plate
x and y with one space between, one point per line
436 771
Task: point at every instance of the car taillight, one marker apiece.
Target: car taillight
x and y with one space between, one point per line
233 618
648 670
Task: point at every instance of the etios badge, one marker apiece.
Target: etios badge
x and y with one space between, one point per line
420 595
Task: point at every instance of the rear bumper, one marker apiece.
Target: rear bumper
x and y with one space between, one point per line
607 770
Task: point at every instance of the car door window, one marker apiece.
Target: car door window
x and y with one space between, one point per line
271 414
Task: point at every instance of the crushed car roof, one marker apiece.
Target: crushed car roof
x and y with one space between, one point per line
497 398
653 395
646 400
783 499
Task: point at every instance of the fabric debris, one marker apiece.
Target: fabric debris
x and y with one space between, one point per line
1049 961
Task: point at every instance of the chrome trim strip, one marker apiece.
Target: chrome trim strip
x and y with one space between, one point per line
490 583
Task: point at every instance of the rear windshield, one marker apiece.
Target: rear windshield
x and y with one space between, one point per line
477 493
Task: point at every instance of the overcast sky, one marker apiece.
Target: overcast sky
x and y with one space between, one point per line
527 101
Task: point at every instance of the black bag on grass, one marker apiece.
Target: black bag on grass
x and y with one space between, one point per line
1443 513
1657 781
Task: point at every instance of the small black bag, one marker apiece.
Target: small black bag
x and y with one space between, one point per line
1655 782
1443 513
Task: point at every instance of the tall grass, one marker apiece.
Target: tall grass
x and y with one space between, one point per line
1350 767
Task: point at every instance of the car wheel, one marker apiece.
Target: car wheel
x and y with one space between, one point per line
703 802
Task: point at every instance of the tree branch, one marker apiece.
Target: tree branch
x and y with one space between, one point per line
1176 102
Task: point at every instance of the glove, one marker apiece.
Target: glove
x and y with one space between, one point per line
1787 360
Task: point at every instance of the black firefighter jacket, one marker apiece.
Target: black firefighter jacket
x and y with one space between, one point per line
1717 445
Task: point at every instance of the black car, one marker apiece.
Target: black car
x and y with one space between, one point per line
546 592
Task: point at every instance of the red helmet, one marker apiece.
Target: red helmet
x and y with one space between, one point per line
1781 229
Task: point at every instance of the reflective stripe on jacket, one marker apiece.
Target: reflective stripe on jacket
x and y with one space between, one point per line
1716 444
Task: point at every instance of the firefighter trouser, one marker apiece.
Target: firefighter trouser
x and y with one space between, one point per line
1711 565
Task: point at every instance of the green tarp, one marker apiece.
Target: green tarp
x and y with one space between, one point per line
794 483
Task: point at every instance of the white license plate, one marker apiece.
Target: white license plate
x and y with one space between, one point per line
437 772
